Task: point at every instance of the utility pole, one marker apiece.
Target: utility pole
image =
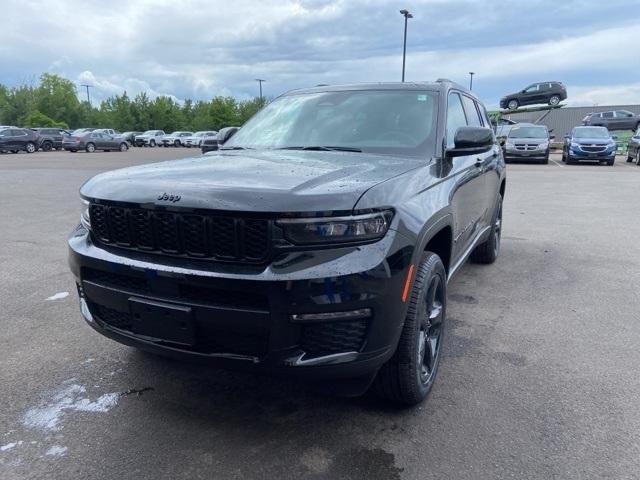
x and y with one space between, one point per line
260 80
407 16
87 87
471 74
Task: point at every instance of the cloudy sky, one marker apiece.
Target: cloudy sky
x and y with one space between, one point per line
198 49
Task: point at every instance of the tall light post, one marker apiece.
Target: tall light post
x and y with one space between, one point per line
471 74
87 87
407 16
260 80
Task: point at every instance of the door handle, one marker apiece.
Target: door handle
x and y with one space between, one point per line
479 162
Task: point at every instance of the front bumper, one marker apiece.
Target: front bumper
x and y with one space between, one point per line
577 154
538 155
244 320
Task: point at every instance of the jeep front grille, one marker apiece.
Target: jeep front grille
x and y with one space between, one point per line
214 237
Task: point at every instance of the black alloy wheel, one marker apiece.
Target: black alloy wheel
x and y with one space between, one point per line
407 378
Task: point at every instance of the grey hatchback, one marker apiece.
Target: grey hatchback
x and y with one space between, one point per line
92 141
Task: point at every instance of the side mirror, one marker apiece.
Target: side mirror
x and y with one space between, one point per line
567 136
226 133
552 137
470 141
615 137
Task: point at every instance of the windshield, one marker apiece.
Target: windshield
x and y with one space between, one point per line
528 132
149 132
379 121
593 132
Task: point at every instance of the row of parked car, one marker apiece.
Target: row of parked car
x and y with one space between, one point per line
15 139
532 142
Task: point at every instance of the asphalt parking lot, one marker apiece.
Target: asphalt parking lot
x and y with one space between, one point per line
539 377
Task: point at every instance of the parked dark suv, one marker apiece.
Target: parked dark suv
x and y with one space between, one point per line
318 241
16 139
613 120
542 92
50 138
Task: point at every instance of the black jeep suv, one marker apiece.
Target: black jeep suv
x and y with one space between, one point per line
542 92
318 241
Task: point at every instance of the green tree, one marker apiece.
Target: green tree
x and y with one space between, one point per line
35 118
56 97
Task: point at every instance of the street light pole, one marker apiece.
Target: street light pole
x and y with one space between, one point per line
87 87
407 16
471 74
260 80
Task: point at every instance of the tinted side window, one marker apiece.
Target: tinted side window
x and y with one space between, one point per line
455 117
623 114
532 88
607 114
473 119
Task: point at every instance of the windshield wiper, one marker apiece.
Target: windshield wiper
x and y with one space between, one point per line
321 148
234 148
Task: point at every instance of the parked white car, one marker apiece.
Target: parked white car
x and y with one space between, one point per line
108 131
175 139
150 138
196 139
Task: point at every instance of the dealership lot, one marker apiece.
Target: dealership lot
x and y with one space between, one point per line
539 378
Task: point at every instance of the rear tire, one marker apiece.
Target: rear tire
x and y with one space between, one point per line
152 143
90 147
177 143
30 147
554 100
488 251
124 147
407 378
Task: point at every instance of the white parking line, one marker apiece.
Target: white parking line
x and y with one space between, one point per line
558 164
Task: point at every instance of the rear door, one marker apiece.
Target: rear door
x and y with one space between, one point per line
19 139
624 120
468 201
608 120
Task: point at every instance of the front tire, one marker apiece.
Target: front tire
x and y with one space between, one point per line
90 148
177 143
124 147
488 251
407 378
554 100
152 143
46 146
513 104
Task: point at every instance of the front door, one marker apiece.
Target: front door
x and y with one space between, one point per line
468 202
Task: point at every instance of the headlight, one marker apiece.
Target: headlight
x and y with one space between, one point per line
543 146
84 214
356 228
575 145
509 144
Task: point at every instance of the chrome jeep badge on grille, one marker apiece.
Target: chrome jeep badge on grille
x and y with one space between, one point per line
165 197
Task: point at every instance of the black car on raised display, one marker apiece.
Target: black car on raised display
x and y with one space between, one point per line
92 141
527 141
50 138
613 120
541 92
19 139
317 242
633 148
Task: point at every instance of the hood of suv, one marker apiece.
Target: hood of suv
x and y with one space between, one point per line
260 181
592 141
